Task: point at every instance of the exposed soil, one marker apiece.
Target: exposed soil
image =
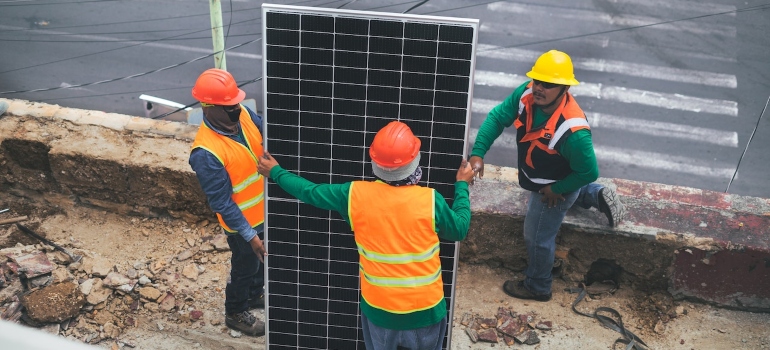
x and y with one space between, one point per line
195 319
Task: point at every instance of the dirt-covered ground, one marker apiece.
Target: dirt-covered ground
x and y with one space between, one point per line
178 305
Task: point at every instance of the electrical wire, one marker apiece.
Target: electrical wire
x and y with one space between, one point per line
197 102
56 3
130 76
416 6
110 50
346 4
747 144
751 8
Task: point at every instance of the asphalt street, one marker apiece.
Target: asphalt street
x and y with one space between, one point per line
672 89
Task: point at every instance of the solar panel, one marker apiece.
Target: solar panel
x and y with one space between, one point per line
333 78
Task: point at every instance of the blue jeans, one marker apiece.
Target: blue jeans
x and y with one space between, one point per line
425 338
540 228
247 275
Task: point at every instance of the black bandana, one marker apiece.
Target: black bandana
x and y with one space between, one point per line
222 120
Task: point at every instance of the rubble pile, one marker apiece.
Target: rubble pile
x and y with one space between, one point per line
507 326
95 299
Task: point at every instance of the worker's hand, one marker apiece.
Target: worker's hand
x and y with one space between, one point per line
266 163
477 163
549 197
258 248
465 173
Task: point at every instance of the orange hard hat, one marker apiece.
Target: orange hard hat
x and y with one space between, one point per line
217 87
394 146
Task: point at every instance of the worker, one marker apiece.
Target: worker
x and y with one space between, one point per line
396 225
556 163
224 157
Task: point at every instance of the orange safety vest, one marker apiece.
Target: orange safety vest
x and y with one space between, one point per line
395 231
540 163
240 163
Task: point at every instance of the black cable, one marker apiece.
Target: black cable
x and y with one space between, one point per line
125 22
57 3
747 145
197 102
346 4
130 76
110 50
122 40
416 6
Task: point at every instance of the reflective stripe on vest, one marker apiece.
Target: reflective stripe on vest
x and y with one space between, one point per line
538 144
240 163
400 268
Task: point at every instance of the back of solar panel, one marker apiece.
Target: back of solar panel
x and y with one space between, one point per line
332 79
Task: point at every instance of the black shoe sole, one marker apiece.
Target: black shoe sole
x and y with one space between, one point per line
508 287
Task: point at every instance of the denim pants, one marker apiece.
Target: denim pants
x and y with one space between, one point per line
425 338
247 275
540 228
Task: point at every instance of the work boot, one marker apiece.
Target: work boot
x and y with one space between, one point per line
3 107
257 302
518 290
245 323
611 206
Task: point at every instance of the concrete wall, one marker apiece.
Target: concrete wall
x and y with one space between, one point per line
696 244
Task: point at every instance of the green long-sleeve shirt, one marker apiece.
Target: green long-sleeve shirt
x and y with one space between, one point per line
578 148
451 224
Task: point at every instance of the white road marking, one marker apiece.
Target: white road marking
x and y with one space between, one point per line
640 126
572 14
513 29
621 94
158 45
618 67
642 159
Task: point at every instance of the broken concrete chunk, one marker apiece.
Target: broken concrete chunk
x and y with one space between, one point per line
185 255
472 334
220 242
503 312
528 338
114 280
512 327
149 293
99 266
33 265
466 319
99 293
54 303
168 303
488 335
190 271
487 322
544 325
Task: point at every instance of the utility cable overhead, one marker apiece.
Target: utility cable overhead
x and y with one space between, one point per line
111 50
130 76
747 144
30 3
197 102
415 6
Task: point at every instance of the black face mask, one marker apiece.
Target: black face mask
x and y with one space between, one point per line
223 118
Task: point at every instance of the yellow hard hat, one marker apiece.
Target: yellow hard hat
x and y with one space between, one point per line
554 67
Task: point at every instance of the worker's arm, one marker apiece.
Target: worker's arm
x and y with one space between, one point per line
499 118
219 190
452 223
324 196
578 149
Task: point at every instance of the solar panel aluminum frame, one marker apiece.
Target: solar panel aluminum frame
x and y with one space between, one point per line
369 15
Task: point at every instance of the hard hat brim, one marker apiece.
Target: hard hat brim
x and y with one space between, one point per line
550 79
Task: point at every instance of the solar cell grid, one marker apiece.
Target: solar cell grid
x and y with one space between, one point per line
333 78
